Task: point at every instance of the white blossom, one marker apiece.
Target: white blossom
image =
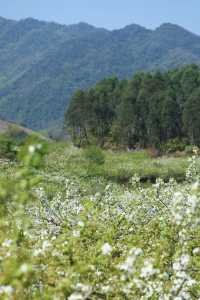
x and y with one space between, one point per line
106 249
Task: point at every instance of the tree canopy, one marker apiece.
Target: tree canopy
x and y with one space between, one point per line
149 109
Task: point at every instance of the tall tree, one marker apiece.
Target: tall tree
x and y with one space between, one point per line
191 117
170 117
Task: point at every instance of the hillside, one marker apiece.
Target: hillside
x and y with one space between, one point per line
18 131
42 64
5 127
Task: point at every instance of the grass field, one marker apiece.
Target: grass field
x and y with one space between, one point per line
119 166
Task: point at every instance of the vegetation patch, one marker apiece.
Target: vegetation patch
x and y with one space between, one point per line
68 238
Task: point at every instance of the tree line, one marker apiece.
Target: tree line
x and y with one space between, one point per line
147 110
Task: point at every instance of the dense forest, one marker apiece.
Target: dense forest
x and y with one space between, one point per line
147 110
42 64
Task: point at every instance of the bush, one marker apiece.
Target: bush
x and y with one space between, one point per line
172 146
191 150
94 155
10 141
153 152
17 134
8 147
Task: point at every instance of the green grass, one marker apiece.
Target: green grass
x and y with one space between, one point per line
118 167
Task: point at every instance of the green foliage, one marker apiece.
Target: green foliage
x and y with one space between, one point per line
189 149
8 147
43 64
19 188
33 145
14 139
119 166
191 116
10 141
94 155
172 146
151 109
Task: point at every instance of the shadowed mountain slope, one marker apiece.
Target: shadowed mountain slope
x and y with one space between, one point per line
42 64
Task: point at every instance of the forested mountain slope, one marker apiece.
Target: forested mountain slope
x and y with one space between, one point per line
42 64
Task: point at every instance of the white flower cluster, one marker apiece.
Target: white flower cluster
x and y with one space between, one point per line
138 273
82 292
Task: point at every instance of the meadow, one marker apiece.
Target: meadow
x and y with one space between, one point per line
96 224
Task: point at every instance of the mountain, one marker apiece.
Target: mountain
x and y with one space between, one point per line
7 126
15 131
42 64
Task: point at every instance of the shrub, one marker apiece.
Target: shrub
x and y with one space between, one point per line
17 134
172 146
8 147
191 150
153 152
94 155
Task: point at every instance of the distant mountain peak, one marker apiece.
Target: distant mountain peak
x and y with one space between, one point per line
174 28
32 21
170 26
4 20
134 26
131 31
85 24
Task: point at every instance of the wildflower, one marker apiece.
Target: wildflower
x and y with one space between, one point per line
37 252
76 233
127 265
195 186
86 289
181 263
7 243
105 289
178 195
81 224
193 201
46 244
136 251
31 149
39 146
106 249
76 296
195 150
83 291
6 289
196 251
185 258
176 266
8 254
148 269
98 273
24 268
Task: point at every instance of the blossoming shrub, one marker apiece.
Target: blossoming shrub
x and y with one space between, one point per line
63 243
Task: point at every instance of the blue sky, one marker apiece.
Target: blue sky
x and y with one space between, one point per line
107 13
